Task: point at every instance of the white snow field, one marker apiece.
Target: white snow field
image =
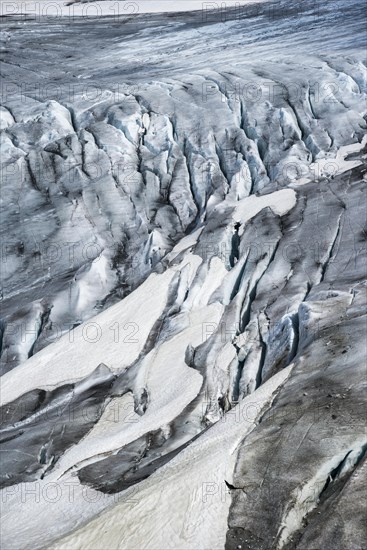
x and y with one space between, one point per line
183 264
83 8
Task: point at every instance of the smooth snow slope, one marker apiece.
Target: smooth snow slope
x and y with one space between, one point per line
119 8
184 279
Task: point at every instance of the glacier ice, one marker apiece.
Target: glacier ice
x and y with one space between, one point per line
183 225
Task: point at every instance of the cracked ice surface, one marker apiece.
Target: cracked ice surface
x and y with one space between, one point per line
183 278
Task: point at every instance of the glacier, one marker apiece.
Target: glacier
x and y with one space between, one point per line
183 264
